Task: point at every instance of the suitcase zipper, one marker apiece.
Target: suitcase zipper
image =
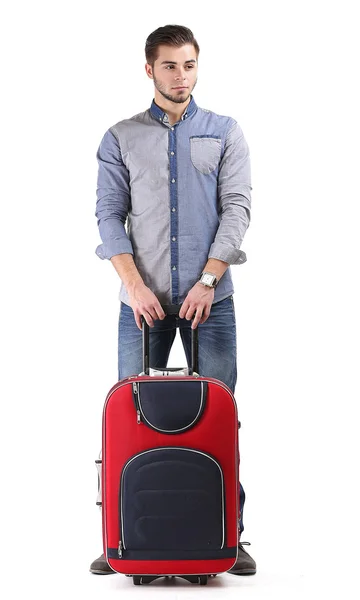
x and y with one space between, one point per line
120 549
136 398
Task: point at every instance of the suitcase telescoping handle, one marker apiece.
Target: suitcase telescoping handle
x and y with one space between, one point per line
170 309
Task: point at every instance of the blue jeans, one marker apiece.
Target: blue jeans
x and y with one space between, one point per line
217 348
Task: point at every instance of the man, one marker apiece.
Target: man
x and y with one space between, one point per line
180 174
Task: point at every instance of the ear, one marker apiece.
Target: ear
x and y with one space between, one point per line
148 70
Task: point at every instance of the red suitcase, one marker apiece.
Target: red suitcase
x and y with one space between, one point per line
170 473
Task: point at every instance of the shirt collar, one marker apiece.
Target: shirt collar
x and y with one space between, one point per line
160 115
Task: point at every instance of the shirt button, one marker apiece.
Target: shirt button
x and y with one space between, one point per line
172 129
174 239
173 181
173 209
174 268
172 153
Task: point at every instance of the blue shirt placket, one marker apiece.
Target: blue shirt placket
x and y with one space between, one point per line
174 250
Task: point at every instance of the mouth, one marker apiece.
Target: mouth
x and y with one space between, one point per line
180 88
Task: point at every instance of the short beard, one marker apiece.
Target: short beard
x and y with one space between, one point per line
175 99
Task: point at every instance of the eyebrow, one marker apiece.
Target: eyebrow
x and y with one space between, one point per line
171 62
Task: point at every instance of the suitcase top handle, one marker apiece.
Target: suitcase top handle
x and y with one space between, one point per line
170 309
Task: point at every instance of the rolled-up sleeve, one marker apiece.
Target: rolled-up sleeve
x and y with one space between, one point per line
113 199
234 198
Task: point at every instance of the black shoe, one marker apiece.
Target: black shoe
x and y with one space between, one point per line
101 567
245 565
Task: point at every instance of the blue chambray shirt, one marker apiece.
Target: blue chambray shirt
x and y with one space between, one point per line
184 193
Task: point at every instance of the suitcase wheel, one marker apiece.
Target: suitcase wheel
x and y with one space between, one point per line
199 579
144 579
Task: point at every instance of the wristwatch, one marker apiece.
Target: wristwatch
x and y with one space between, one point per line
208 279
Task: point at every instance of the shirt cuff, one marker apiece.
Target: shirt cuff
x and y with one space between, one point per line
113 247
227 254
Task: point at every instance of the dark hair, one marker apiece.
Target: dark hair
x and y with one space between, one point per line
169 35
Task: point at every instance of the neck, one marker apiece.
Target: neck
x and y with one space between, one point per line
172 109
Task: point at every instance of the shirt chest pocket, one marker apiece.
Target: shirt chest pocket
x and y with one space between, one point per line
205 152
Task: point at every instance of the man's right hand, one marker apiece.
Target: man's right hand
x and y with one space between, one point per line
144 302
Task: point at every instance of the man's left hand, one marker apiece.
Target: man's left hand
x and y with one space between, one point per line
199 301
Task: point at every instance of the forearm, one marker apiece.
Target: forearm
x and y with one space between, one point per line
235 220
127 271
216 267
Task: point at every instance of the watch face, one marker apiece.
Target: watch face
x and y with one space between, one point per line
207 279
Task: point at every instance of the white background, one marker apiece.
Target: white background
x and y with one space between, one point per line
289 73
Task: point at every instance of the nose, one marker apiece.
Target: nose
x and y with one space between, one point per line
182 75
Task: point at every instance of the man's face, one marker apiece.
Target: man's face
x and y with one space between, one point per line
173 68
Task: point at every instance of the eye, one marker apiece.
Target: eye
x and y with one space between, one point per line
171 66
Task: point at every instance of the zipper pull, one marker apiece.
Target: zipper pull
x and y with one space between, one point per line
136 396
120 549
